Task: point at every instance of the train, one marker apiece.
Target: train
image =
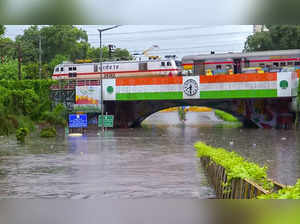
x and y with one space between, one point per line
236 63
115 69
204 64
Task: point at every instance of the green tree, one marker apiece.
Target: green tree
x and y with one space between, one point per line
56 39
9 70
279 37
118 54
2 29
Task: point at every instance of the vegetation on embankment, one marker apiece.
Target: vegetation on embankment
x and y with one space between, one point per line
26 102
235 165
289 192
238 167
225 116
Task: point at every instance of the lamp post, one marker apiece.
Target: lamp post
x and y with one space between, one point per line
101 78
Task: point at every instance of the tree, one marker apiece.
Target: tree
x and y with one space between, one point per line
56 39
2 29
117 54
9 70
279 37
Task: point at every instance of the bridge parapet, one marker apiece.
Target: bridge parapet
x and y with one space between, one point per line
239 86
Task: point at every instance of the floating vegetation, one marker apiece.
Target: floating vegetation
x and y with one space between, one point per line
225 116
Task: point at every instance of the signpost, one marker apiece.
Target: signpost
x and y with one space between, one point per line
108 121
78 121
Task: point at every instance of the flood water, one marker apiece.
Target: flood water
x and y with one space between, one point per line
156 161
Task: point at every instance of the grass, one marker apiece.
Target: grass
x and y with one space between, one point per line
225 116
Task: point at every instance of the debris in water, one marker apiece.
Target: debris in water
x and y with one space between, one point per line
283 138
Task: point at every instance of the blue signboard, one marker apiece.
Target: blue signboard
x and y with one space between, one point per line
77 121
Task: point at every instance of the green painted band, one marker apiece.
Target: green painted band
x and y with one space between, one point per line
227 94
150 96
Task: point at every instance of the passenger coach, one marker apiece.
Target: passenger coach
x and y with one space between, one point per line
234 63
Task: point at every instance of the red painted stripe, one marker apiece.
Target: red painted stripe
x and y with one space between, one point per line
276 60
239 78
159 80
119 72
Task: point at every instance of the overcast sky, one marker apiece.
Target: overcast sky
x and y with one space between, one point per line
172 39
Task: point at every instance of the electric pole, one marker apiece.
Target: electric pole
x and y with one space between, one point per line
40 56
19 60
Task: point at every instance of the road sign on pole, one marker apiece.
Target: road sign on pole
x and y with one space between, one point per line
108 121
77 121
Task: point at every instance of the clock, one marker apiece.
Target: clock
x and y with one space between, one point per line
190 87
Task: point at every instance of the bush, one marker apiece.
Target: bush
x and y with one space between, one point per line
21 133
57 116
48 132
285 193
235 165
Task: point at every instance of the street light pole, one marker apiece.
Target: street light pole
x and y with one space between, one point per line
101 78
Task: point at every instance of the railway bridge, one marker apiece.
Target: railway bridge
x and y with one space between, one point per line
265 100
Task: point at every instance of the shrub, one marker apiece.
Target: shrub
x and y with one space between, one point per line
21 133
48 132
235 165
57 116
225 116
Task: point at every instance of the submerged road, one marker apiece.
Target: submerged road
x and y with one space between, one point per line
157 161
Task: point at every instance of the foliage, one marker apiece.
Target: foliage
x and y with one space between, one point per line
279 37
2 29
57 116
56 39
9 70
22 102
7 49
48 132
58 59
285 193
225 116
235 165
21 133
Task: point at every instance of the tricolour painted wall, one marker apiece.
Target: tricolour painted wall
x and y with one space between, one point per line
267 85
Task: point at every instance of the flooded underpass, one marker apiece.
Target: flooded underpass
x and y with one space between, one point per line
156 161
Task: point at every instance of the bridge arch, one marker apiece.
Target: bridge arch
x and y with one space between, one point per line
264 113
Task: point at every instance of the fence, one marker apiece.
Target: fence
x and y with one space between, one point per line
237 188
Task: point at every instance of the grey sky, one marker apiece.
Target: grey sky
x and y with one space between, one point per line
172 39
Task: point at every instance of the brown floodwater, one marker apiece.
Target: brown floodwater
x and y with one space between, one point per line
156 161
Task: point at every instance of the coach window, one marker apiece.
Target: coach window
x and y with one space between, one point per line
290 63
297 63
282 64
168 63
70 68
162 63
61 69
228 67
57 69
262 65
276 64
219 67
74 68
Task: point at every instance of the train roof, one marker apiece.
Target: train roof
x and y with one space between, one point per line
113 62
241 55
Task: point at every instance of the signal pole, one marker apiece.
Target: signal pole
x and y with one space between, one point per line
101 78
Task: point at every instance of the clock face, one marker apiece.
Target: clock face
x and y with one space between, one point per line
190 87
